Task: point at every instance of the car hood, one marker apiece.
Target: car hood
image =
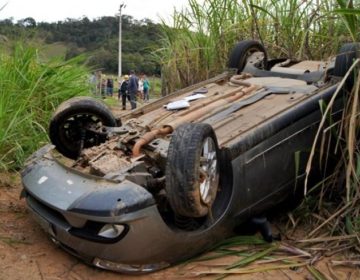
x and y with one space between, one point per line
65 189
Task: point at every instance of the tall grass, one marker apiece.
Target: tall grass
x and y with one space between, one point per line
197 44
29 92
339 203
350 16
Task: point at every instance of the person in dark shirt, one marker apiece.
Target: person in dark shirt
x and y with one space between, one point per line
109 87
124 92
103 87
133 88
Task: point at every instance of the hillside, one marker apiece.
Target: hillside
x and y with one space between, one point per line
97 38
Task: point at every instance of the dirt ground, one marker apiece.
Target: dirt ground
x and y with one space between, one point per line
27 253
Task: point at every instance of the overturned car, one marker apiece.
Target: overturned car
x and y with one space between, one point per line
179 174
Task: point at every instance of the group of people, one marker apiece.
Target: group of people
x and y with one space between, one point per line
132 87
107 87
100 85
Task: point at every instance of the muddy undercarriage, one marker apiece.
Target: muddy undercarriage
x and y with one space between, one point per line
137 150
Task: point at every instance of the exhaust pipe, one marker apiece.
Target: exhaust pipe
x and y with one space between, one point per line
192 116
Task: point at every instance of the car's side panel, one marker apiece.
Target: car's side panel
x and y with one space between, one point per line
248 140
258 181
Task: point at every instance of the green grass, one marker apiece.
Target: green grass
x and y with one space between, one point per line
49 51
29 93
111 101
155 87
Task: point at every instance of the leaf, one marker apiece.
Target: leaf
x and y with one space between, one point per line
357 165
349 15
263 10
241 240
253 257
2 7
316 273
348 225
348 11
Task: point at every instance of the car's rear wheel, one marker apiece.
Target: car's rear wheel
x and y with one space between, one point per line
243 50
347 55
77 123
192 171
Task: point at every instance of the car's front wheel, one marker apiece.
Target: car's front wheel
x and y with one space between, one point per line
192 171
77 124
243 50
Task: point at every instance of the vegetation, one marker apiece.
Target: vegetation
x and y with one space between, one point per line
197 44
29 92
35 80
339 203
97 38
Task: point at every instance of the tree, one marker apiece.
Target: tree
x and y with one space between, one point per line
27 22
98 38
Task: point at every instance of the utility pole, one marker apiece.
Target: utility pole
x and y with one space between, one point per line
119 66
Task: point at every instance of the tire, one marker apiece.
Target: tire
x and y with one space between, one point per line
192 184
241 52
76 124
347 55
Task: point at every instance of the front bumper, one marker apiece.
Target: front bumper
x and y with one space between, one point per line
142 249
68 204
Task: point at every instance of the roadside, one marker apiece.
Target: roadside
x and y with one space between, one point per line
115 105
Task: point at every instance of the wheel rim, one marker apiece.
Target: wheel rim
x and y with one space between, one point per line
259 57
80 131
209 174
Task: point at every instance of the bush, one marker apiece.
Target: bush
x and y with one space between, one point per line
29 91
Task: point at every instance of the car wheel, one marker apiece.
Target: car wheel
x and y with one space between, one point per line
346 57
242 51
192 170
76 124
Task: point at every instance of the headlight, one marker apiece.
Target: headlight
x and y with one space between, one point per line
101 232
111 230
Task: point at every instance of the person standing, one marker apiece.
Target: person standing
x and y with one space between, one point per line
98 76
93 83
133 88
141 87
146 85
109 87
103 87
123 91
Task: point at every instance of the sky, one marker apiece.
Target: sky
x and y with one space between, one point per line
55 10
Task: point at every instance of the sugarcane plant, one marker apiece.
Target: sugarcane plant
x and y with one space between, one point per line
30 90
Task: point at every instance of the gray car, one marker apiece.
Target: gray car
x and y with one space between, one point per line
172 178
